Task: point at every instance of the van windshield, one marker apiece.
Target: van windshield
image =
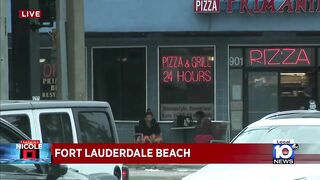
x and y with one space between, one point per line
95 127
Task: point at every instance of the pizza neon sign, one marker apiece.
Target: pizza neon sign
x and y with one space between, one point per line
194 69
286 56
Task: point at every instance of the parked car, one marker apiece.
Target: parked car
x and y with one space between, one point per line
67 122
10 134
302 126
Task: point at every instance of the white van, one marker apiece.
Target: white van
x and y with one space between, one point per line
67 122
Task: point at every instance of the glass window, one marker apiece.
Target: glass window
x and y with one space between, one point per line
95 127
56 128
262 94
236 89
22 122
296 90
186 81
7 136
120 78
236 99
48 73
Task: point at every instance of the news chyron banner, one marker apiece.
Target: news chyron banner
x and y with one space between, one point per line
279 152
25 152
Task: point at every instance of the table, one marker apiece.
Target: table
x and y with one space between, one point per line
183 129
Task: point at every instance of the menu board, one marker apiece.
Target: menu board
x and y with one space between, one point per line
186 76
280 57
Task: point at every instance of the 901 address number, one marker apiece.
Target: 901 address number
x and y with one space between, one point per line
235 61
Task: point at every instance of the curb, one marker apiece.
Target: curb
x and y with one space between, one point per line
166 166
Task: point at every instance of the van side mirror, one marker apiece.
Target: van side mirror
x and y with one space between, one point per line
56 170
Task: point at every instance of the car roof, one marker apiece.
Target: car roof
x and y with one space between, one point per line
293 114
293 117
288 122
21 104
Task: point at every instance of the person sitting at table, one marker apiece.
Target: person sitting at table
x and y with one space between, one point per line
199 116
150 129
205 131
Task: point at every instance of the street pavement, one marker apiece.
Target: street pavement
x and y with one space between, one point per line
161 172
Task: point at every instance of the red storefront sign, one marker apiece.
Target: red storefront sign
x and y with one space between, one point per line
207 6
258 6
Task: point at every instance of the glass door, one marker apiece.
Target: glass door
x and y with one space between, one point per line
269 92
262 94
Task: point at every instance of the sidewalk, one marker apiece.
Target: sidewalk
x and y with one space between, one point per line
167 167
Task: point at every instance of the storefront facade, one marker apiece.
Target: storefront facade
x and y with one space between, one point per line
237 67
261 62
234 98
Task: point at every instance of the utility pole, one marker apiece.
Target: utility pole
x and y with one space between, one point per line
62 62
76 50
4 69
25 53
34 48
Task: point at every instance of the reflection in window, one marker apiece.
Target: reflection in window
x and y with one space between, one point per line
56 128
186 81
120 79
262 94
296 90
20 121
95 127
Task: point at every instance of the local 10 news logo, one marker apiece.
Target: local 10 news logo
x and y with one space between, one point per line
283 151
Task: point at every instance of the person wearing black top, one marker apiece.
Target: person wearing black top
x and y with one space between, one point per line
150 129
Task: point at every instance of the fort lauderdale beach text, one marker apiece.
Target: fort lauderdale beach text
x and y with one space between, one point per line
122 153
